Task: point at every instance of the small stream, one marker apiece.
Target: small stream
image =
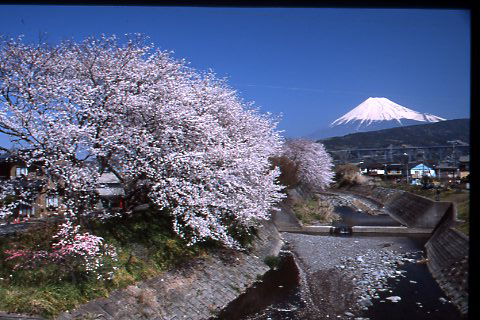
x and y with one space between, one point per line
275 296
351 217
421 297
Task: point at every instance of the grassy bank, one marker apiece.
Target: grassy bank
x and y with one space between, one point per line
313 210
146 247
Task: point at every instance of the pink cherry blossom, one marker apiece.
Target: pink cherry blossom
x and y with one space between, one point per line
180 140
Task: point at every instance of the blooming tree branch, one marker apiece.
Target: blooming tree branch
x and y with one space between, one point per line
180 139
314 166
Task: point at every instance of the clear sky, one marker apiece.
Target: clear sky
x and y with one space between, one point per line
312 65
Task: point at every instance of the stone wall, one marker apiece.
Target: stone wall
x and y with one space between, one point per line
416 211
448 255
447 249
409 209
378 194
196 291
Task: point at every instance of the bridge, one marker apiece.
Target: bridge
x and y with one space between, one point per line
402 154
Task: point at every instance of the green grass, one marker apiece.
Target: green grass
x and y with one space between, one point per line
48 300
313 210
273 262
146 247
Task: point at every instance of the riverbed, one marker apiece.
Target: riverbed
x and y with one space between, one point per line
348 277
351 217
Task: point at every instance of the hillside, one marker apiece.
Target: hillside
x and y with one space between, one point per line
432 134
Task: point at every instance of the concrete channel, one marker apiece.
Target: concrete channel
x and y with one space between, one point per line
208 286
447 250
358 229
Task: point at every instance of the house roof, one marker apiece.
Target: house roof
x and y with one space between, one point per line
110 191
445 166
109 185
108 177
422 167
382 165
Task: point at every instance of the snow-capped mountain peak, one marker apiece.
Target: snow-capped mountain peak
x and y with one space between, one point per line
382 109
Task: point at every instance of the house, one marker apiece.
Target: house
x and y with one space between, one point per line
447 171
464 166
389 171
111 191
12 167
29 185
374 169
419 171
395 170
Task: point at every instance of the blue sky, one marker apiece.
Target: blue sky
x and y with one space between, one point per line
312 65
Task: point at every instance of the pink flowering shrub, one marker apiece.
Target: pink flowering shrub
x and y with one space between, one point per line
73 253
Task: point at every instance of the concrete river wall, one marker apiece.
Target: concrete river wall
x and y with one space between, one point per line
200 290
447 252
447 249
193 292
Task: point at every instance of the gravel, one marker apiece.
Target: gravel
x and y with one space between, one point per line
349 200
358 265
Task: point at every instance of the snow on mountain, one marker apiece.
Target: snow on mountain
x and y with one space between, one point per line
374 114
382 109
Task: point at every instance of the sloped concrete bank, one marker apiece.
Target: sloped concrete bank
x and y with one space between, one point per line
447 249
197 291
447 252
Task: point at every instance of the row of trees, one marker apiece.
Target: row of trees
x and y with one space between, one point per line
176 138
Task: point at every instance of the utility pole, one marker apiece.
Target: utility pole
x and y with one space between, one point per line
454 155
406 164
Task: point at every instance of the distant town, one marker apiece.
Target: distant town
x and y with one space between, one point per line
445 164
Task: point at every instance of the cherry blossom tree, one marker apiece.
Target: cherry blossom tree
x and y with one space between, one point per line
73 252
181 139
313 164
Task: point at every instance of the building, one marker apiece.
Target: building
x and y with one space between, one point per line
27 185
37 195
464 166
384 171
447 172
110 191
422 170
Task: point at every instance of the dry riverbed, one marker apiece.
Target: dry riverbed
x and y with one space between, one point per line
342 275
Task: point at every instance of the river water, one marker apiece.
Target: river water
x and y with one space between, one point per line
351 217
277 295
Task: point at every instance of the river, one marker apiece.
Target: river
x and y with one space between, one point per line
347 277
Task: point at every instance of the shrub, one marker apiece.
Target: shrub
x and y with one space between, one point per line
348 175
72 254
315 210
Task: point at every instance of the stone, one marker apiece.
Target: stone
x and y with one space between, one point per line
365 302
394 298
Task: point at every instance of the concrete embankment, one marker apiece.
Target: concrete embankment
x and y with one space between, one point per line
196 291
358 230
447 248
447 252
409 209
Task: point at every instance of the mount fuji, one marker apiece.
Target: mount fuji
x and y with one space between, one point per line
374 114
